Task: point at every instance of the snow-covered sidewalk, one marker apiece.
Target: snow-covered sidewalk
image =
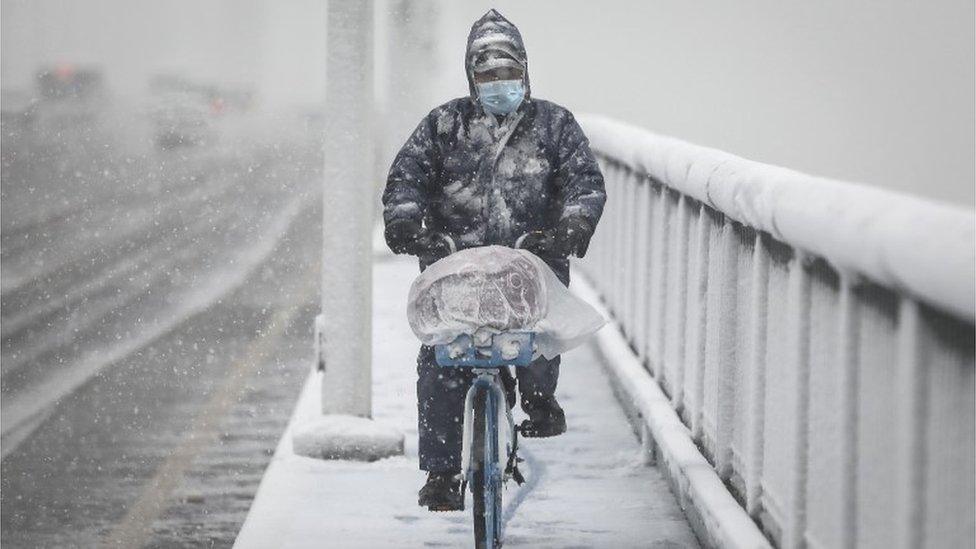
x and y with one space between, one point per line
587 488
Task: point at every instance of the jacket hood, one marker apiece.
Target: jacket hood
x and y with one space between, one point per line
492 27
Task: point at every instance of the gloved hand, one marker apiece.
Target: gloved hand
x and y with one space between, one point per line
435 246
572 236
402 236
408 237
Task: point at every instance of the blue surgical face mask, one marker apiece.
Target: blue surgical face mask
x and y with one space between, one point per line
501 97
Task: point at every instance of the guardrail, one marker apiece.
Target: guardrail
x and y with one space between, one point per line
815 336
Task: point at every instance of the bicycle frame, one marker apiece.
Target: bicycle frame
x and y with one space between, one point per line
505 349
487 380
465 354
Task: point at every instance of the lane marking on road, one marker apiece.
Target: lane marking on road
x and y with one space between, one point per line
18 409
126 266
136 526
15 282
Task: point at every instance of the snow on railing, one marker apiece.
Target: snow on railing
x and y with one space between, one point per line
815 336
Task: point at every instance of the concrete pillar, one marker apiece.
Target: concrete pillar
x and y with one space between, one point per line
347 210
344 330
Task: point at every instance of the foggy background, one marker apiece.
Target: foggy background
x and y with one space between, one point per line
163 184
880 93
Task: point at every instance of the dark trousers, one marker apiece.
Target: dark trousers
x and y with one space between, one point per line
440 404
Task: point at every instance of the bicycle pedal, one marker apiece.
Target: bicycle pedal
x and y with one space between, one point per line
517 476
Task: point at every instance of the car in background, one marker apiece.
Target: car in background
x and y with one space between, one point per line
181 113
68 98
66 82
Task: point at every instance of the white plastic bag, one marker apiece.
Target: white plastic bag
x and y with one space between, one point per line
498 289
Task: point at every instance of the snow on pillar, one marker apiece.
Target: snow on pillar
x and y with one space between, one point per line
344 330
347 215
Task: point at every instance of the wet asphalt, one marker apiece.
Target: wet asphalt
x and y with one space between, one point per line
156 328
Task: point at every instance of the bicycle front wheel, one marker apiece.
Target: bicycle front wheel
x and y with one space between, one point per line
486 486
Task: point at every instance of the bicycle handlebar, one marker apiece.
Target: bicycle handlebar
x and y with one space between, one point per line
519 240
453 246
450 242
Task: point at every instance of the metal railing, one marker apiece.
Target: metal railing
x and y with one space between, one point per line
815 336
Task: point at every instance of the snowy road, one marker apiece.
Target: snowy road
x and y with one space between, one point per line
587 488
156 314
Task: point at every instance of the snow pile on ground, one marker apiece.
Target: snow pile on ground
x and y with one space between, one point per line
346 437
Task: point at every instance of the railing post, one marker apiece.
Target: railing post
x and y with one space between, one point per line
627 237
659 282
633 239
643 266
613 266
620 250
912 388
610 236
726 358
697 317
757 376
848 343
680 287
799 346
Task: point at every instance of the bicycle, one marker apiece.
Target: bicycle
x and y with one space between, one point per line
484 407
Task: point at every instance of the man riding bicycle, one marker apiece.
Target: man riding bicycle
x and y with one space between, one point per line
496 167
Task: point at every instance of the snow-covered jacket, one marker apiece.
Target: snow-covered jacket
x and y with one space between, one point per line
482 180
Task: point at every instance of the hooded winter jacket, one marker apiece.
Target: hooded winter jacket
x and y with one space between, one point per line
481 179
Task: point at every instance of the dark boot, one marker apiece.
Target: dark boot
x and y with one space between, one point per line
546 419
442 492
